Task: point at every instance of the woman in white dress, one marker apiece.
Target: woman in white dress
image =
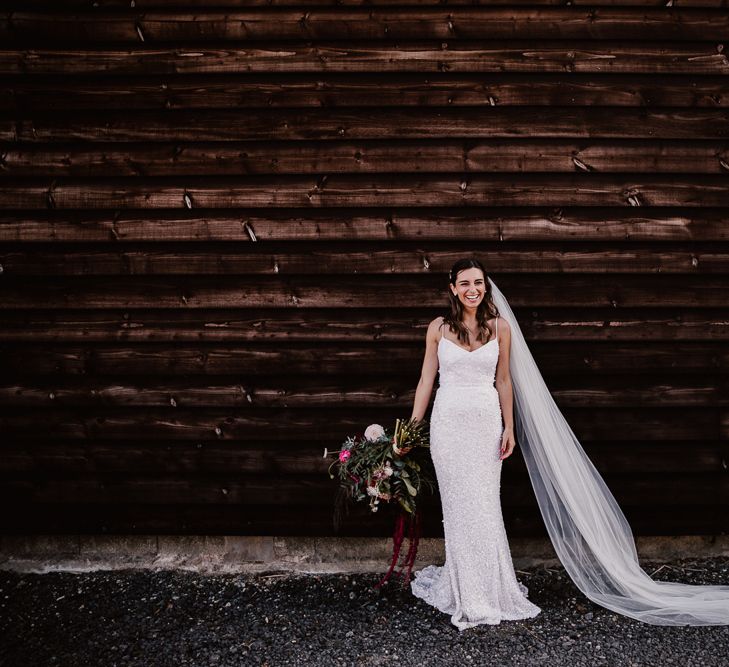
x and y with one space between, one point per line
492 395
470 349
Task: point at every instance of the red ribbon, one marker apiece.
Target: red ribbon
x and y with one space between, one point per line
414 533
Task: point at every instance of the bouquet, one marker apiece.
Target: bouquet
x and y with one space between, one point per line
379 467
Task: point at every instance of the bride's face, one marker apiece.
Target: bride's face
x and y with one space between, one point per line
470 287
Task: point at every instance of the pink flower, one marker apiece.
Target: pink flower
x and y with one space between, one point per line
344 455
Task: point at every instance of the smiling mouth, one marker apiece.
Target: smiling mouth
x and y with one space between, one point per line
473 298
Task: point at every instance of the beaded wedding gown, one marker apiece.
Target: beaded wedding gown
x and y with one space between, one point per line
477 583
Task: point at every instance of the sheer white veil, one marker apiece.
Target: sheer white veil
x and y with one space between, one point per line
587 528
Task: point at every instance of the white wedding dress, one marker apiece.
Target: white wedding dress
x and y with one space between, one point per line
477 583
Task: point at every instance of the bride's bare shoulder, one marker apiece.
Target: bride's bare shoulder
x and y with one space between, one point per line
434 327
437 323
503 325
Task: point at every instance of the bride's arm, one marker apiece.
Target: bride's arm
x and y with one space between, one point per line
427 373
505 389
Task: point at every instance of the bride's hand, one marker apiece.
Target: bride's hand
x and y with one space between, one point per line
507 443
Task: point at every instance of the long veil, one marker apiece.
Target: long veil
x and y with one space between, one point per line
587 528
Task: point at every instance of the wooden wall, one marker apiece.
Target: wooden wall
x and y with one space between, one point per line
225 226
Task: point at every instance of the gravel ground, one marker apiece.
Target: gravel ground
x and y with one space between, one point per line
142 617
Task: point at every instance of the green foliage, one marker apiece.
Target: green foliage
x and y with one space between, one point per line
390 467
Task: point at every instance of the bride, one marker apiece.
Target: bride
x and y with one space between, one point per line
491 395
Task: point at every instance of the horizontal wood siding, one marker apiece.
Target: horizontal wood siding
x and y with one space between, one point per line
224 227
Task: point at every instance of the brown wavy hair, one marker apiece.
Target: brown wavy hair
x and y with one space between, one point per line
485 311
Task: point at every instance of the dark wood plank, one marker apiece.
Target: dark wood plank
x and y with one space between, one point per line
532 290
258 519
270 329
283 458
372 191
366 123
455 23
367 157
548 56
265 91
653 225
725 430
364 259
335 385
255 423
206 4
629 490
250 362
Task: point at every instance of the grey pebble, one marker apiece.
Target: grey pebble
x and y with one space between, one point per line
149 618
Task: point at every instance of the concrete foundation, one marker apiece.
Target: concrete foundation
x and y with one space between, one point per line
266 554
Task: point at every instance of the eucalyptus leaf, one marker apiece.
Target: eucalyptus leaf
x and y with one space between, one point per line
411 488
